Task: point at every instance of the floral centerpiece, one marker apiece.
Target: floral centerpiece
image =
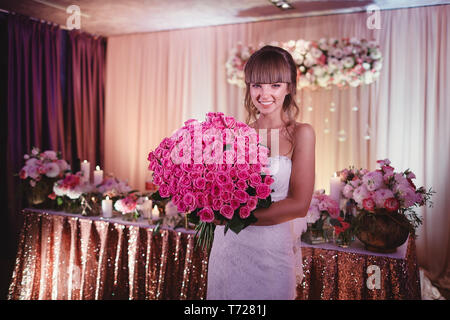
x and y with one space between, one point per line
129 205
69 192
321 210
40 172
385 202
320 64
227 179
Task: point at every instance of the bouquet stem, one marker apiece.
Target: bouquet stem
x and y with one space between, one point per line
205 235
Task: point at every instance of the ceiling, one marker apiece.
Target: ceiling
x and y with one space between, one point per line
114 17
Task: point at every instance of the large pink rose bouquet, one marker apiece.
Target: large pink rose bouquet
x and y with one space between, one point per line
213 170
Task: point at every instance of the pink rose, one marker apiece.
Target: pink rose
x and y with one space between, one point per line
206 214
227 211
263 191
255 179
164 190
200 200
225 196
222 178
241 184
391 204
244 212
217 204
185 181
230 122
215 191
369 204
178 172
268 180
228 187
252 203
210 176
243 175
200 183
241 195
235 203
256 168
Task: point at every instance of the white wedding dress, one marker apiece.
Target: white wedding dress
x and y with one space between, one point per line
261 262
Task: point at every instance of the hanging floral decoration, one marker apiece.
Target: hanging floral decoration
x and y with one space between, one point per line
320 64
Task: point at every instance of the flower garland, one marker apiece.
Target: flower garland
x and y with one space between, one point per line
320 64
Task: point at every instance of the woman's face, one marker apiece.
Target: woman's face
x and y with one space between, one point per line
268 97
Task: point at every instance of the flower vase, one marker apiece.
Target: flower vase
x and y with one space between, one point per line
131 216
313 235
344 239
382 231
72 205
37 196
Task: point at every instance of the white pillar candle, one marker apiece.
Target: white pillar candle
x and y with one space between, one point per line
335 187
98 176
155 213
147 208
107 207
85 170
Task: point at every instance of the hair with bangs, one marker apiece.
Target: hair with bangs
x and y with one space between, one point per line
271 65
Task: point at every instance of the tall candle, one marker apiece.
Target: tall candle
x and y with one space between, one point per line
98 175
335 188
107 207
85 170
147 208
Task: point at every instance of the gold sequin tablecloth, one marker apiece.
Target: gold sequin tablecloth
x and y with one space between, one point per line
334 273
65 256
70 257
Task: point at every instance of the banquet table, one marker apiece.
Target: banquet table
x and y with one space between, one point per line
63 256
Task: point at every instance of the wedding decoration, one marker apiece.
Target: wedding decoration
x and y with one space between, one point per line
321 209
39 173
69 191
320 64
128 206
227 179
343 230
384 202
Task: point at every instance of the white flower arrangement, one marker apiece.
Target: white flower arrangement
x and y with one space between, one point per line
321 64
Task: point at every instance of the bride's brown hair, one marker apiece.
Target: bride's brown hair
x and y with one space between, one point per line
270 65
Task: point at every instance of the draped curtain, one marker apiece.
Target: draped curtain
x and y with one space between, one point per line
156 81
54 101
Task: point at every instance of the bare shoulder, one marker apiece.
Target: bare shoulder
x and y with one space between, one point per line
304 133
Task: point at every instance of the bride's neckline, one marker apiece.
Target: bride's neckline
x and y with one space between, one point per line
281 156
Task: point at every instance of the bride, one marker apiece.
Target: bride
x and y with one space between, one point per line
263 261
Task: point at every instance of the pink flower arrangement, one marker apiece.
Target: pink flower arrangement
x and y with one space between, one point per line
215 169
71 186
321 64
127 204
385 190
321 207
39 165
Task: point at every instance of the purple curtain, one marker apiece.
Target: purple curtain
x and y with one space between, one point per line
55 100
85 97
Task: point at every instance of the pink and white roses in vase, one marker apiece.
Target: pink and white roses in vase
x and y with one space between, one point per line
69 192
215 170
321 210
385 202
40 172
